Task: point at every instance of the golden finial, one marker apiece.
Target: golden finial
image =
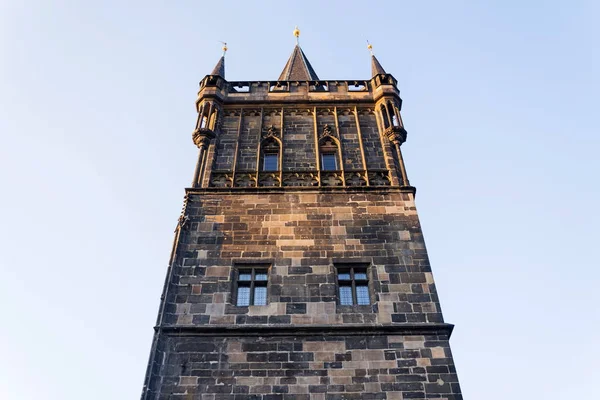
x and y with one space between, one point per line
224 48
370 47
297 34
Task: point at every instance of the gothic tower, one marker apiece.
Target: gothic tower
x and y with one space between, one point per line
299 269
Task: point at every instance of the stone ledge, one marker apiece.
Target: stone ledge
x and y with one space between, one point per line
300 189
295 330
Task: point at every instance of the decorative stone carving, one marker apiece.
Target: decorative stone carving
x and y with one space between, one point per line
300 179
327 144
202 137
269 179
396 134
271 132
380 178
356 178
250 112
183 222
328 131
221 180
245 180
331 179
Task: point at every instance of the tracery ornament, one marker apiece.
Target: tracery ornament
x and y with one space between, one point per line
271 132
380 178
221 180
269 179
300 179
331 179
327 131
245 180
356 178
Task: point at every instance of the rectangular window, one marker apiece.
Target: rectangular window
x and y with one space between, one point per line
251 286
353 285
329 162
270 162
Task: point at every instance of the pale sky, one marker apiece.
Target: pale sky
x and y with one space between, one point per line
96 114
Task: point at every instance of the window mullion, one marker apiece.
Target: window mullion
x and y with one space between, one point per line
354 297
252 287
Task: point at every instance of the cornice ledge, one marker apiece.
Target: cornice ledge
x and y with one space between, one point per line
306 330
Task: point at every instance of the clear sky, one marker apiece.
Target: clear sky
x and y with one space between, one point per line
96 114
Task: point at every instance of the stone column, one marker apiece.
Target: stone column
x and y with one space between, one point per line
202 138
397 135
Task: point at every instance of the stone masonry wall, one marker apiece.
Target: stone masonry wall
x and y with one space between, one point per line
349 138
371 139
226 142
298 142
247 157
300 367
302 236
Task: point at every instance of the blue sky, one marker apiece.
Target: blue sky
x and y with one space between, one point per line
96 114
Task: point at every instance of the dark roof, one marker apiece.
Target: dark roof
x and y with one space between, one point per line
219 68
298 68
376 68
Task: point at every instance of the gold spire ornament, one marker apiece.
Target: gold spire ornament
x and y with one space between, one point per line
297 34
224 48
370 47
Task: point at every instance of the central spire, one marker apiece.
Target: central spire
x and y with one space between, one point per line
298 67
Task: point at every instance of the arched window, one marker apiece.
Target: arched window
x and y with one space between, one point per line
213 119
207 117
384 116
329 151
270 150
203 121
203 116
393 111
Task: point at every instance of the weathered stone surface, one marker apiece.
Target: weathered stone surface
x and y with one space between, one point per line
257 367
301 247
300 222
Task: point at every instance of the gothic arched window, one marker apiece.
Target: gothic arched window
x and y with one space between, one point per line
384 116
270 151
329 151
203 121
394 113
207 116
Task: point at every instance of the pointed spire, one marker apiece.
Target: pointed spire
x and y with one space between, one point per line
219 69
298 67
376 67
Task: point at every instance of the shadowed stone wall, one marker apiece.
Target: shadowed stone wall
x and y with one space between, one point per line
394 348
301 236
314 367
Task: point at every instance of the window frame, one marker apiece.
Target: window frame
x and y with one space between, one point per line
335 161
352 270
264 159
252 284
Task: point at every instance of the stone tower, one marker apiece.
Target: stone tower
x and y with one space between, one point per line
299 269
